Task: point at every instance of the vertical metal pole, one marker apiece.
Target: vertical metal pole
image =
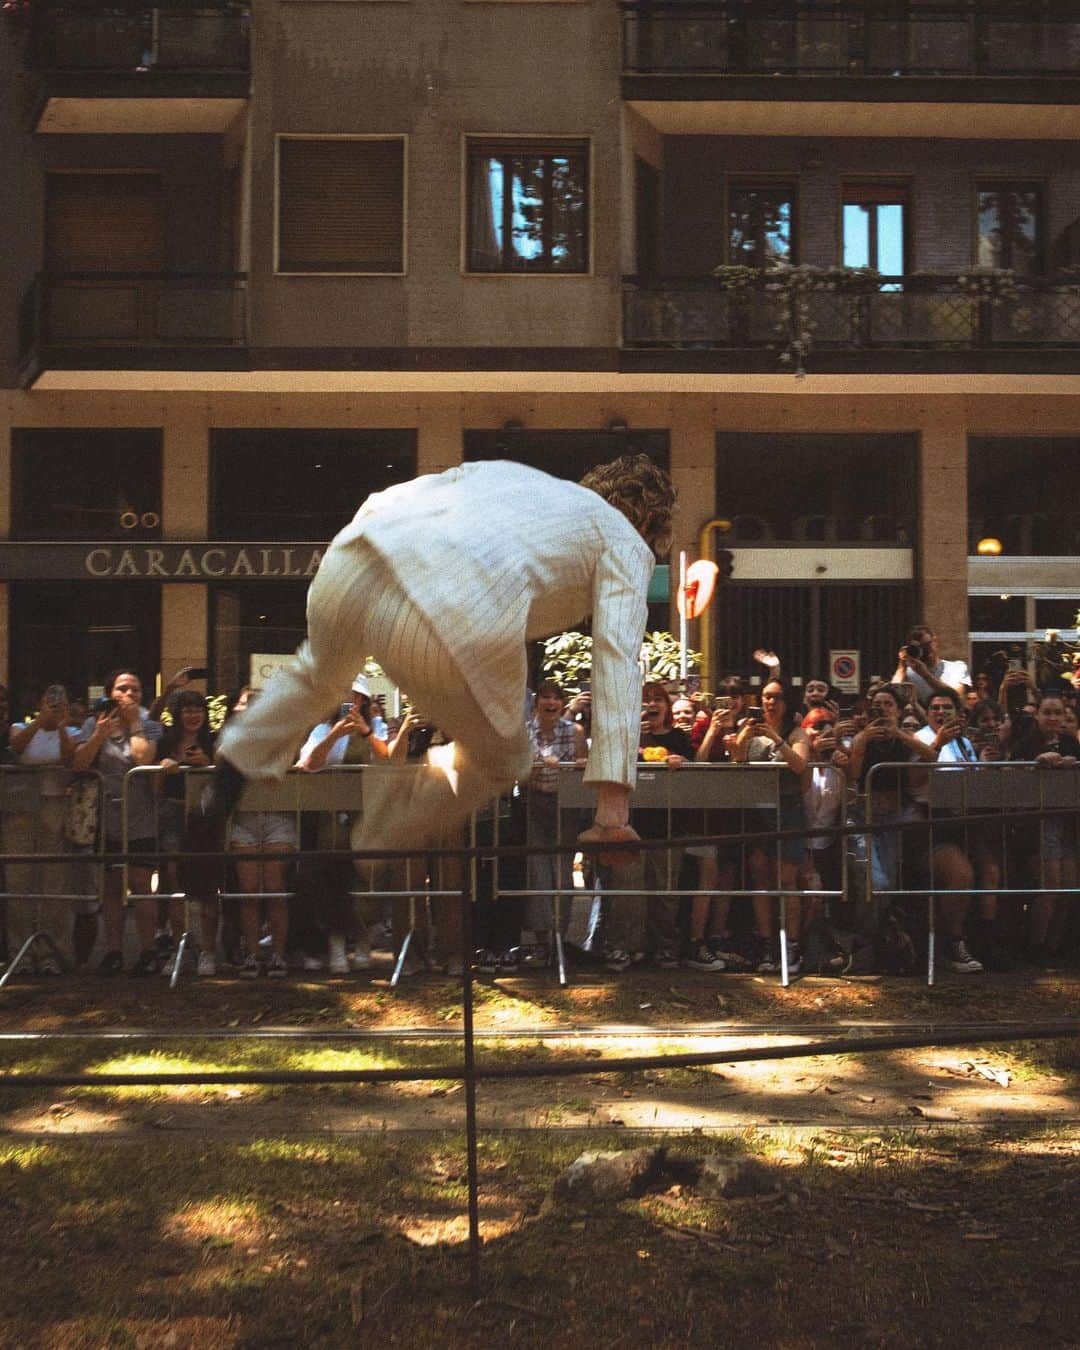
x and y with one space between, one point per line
468 946
682 622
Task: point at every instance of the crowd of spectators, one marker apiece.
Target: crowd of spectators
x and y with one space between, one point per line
738 876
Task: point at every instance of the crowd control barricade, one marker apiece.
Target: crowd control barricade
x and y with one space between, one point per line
749 794
334 794
34 802
1001 814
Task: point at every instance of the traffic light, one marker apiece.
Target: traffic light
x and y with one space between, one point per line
725 560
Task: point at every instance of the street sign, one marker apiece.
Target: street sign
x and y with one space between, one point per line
844 671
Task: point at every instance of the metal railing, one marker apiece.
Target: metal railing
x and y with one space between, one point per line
40 893
921 312
134 309
143 38
885 38
1000 815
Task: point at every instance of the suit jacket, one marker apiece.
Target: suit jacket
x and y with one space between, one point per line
496 554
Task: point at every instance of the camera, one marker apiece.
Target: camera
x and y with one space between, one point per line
754 715
722 703
105 705
917 651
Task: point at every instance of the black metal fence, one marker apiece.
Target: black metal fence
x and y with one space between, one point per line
137 309
177 37
929 312
880 37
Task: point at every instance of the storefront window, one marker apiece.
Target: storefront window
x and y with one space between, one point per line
73 632
302 484
1022 491
253 621
86 483
810 489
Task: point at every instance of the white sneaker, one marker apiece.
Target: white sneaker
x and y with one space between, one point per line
961 960
207 964
311 963
361 959
339 962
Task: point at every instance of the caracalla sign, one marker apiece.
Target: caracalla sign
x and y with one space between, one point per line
202 561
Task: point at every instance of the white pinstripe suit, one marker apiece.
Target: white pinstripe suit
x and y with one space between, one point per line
443 580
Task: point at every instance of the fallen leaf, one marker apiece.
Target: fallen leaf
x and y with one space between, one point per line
981 1237
860 1098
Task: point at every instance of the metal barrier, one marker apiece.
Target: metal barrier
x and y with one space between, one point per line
335 793
33 803
752 792
994 811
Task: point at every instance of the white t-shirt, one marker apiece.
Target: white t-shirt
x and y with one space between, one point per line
43 748
953 673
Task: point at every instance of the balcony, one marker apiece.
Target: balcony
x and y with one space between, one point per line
928 323
146 321
140 68
880 51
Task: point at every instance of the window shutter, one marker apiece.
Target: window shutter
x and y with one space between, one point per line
341 205
104 222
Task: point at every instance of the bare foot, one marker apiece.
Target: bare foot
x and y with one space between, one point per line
599 835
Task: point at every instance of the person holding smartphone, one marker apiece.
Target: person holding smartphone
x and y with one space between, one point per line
771 734
115 738
188 743
34 823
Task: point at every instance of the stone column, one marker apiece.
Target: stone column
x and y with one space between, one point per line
185 498
943 524
693 470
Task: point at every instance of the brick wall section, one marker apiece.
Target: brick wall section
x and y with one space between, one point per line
943 175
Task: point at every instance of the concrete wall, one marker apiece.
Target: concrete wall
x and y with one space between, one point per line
943 176
437 72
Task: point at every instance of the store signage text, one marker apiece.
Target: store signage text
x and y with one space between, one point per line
191 560
198 564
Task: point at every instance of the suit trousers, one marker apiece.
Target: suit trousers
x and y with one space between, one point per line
358 608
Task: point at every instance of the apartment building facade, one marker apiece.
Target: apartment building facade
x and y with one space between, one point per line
267 258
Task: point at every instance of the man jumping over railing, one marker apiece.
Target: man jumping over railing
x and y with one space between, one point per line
444 580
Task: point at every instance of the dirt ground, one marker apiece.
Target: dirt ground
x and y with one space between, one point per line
922 1198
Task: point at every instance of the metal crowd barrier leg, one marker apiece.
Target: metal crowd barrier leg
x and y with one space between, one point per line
182 945
931 938
785 976
560 950
399 964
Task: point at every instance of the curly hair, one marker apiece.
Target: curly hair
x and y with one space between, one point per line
638 488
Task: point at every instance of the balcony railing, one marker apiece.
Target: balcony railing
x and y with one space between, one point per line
177 38
878 37
920 312
133 309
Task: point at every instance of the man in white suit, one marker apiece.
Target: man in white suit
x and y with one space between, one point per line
444 580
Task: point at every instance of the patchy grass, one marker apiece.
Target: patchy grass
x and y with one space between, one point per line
887 1241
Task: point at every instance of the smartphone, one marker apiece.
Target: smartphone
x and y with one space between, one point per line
198 672
105 705
722 703
754 715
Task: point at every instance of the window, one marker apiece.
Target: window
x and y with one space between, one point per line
528 206
808 489
1022 490
341 204
874 225
303 484
1010 227
86 483
760 224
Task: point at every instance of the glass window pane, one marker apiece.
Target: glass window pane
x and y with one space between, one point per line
890 251
760 221
528 210
1022 490
1010 231
856 235
300 484
807 488
82 483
